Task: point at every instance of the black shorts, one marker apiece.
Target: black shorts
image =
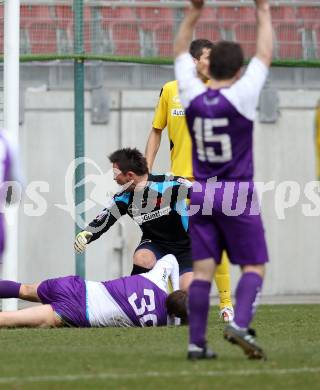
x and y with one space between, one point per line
183 256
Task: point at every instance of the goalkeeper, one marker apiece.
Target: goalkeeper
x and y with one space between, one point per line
157 203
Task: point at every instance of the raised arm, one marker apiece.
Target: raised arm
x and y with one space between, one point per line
264 33
185 33
185 70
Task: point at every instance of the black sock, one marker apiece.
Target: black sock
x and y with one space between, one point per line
136 270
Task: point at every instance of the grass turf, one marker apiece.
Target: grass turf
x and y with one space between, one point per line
154 358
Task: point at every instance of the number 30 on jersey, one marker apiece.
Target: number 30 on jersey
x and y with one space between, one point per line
143 309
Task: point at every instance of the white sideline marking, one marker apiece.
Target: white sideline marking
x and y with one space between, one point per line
156 374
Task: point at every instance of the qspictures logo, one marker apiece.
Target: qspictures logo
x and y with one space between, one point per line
235 198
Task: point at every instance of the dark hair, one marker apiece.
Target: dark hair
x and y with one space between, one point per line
226 59
176 303
197 46
129 159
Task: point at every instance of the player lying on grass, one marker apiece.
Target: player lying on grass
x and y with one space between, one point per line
132 301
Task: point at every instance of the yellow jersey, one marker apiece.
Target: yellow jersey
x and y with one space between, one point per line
169 113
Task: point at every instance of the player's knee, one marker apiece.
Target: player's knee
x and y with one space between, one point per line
258 269
50 319
204 269
144 258
48 323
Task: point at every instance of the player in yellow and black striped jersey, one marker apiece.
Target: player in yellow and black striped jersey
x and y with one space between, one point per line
170 114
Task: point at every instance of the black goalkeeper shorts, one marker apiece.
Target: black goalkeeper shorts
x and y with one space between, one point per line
183 256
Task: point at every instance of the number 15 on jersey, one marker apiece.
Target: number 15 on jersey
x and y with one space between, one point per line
204 134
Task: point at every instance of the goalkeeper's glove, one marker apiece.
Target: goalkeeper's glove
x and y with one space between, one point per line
82 240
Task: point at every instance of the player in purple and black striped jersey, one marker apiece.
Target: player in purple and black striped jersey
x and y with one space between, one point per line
132 301
220 120
157 203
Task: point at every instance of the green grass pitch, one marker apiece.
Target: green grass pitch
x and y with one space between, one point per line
154 358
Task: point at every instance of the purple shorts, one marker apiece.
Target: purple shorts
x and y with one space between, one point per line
229 219
67 296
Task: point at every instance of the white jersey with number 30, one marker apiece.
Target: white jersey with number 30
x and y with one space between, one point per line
137 300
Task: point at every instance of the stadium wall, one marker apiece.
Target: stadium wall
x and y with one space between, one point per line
284 151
